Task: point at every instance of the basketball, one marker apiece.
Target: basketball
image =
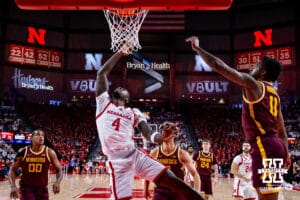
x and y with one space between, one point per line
168 129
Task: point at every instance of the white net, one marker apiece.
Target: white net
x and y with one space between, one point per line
124 27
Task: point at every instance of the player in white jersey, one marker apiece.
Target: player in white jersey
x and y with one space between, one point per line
115 123
241 168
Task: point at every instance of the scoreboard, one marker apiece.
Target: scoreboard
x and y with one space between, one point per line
247 60
278 43
34 56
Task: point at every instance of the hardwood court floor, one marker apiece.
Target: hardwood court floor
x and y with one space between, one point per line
89 187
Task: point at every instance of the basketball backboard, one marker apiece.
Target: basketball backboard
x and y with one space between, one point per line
121 4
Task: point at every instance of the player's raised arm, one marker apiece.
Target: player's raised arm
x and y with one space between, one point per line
101 80
243 79
147 132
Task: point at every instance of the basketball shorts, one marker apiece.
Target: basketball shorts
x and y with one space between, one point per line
34 193
243 189
268 154
206 184
122 172
162 193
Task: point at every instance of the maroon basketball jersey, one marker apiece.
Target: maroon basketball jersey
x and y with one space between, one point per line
35 168
260 117
171 160
204 162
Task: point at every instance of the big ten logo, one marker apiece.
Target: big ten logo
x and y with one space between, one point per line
200 65
272 170
84 85
93 61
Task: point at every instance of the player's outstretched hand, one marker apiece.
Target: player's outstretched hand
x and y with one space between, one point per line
125 49
169 130
194 40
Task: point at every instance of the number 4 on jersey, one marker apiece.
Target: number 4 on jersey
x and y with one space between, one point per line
116 124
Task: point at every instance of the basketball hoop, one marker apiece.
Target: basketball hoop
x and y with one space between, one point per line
124 25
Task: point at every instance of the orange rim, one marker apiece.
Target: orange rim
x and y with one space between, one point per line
125 12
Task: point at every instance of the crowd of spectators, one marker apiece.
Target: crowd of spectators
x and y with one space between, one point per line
222 125
72 131
7 155
9 121
156 115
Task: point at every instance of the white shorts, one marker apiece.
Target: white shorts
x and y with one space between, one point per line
123 170
244 189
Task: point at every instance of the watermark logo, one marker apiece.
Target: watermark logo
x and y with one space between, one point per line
273 170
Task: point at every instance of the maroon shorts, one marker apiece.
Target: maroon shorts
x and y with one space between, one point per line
206 185
274 150
162 193
34 193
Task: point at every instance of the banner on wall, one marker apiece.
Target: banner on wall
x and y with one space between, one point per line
35 85
85 61
208 85
21 80
143 85
16 138
34 56
6 135
82 85
247 60
86 83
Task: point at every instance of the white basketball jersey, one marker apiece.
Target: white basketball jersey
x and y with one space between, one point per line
115 125
245 166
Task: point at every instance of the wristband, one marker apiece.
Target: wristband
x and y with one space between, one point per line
152 137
